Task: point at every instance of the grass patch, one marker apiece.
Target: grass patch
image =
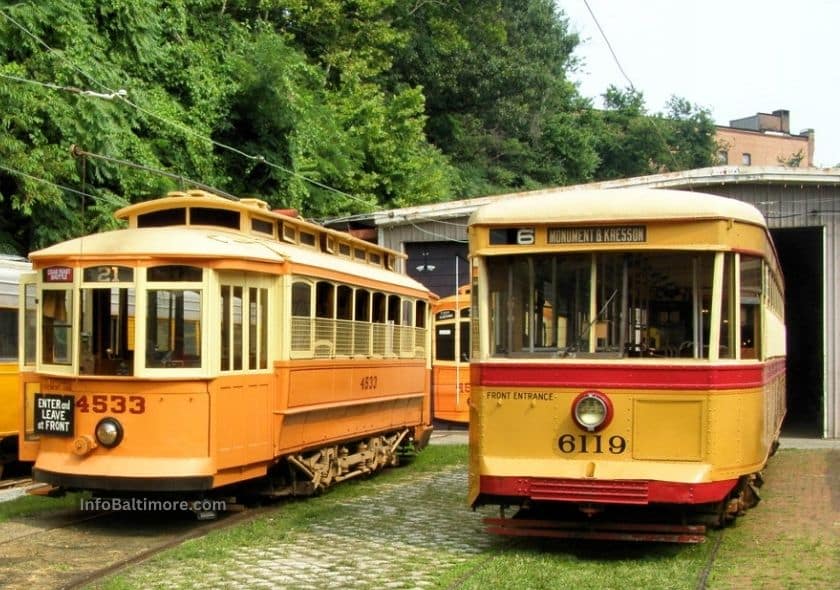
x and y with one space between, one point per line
546 564
30 505
753 557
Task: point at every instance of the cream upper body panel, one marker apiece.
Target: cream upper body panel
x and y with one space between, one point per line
202 243
636 204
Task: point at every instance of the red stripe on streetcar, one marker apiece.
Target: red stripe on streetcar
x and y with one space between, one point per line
625 376
606 491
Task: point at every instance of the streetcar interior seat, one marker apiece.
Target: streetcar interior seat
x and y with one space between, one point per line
322 349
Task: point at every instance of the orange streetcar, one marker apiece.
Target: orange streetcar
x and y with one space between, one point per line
451 364
215 341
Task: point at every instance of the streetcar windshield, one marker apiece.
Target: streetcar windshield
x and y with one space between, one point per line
645 304
173 328
106 339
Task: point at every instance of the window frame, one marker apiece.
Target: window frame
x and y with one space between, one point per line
141 329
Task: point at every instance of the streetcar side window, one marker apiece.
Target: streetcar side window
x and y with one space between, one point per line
379 309
226 345
8 334
420 314
257 328
407 328
236 323
214 217
393 333
361 323
324 319
30 322
344 321
420 311
301 318
57 327
244 328
750 324
163 218
334 319
727 343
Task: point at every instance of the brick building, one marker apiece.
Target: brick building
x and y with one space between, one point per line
764 140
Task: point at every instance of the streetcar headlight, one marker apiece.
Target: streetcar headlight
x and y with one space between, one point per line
592 410
109 432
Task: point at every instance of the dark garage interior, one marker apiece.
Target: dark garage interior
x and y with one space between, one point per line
801 253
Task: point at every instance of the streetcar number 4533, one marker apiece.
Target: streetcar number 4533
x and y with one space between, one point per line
115 404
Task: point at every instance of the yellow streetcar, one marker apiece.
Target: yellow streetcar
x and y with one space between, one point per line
628 378
11 267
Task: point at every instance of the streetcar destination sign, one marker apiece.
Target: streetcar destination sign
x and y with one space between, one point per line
58 274
54 414
609 234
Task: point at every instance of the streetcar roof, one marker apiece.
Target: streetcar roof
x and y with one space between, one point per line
252 208
462 297
202 243
10 269
620 204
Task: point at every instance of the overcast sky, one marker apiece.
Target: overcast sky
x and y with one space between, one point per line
734 57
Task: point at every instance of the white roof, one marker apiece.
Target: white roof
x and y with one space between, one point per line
211 243
619 205
10 269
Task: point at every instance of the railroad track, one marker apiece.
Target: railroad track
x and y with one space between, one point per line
40 551
14 483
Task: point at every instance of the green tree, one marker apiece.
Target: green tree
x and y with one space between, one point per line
329 106
690 134
62 63
497 97
359 136
252 98
632 142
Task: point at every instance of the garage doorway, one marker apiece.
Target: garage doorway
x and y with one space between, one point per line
801 253
441 266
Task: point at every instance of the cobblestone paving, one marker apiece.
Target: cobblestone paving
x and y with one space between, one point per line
401 535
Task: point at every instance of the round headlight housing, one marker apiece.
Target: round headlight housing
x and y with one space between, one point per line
592 410
109 432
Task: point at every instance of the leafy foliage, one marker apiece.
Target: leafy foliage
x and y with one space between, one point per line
328 106
632 142
499 103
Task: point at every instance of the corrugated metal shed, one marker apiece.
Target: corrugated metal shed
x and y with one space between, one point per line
789 198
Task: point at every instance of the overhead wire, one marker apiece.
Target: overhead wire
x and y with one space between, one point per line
54 184
653 120
609 45
106 96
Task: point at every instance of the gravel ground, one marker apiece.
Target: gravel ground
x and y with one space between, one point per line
404 536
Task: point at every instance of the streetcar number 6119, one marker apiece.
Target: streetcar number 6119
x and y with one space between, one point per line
592 443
